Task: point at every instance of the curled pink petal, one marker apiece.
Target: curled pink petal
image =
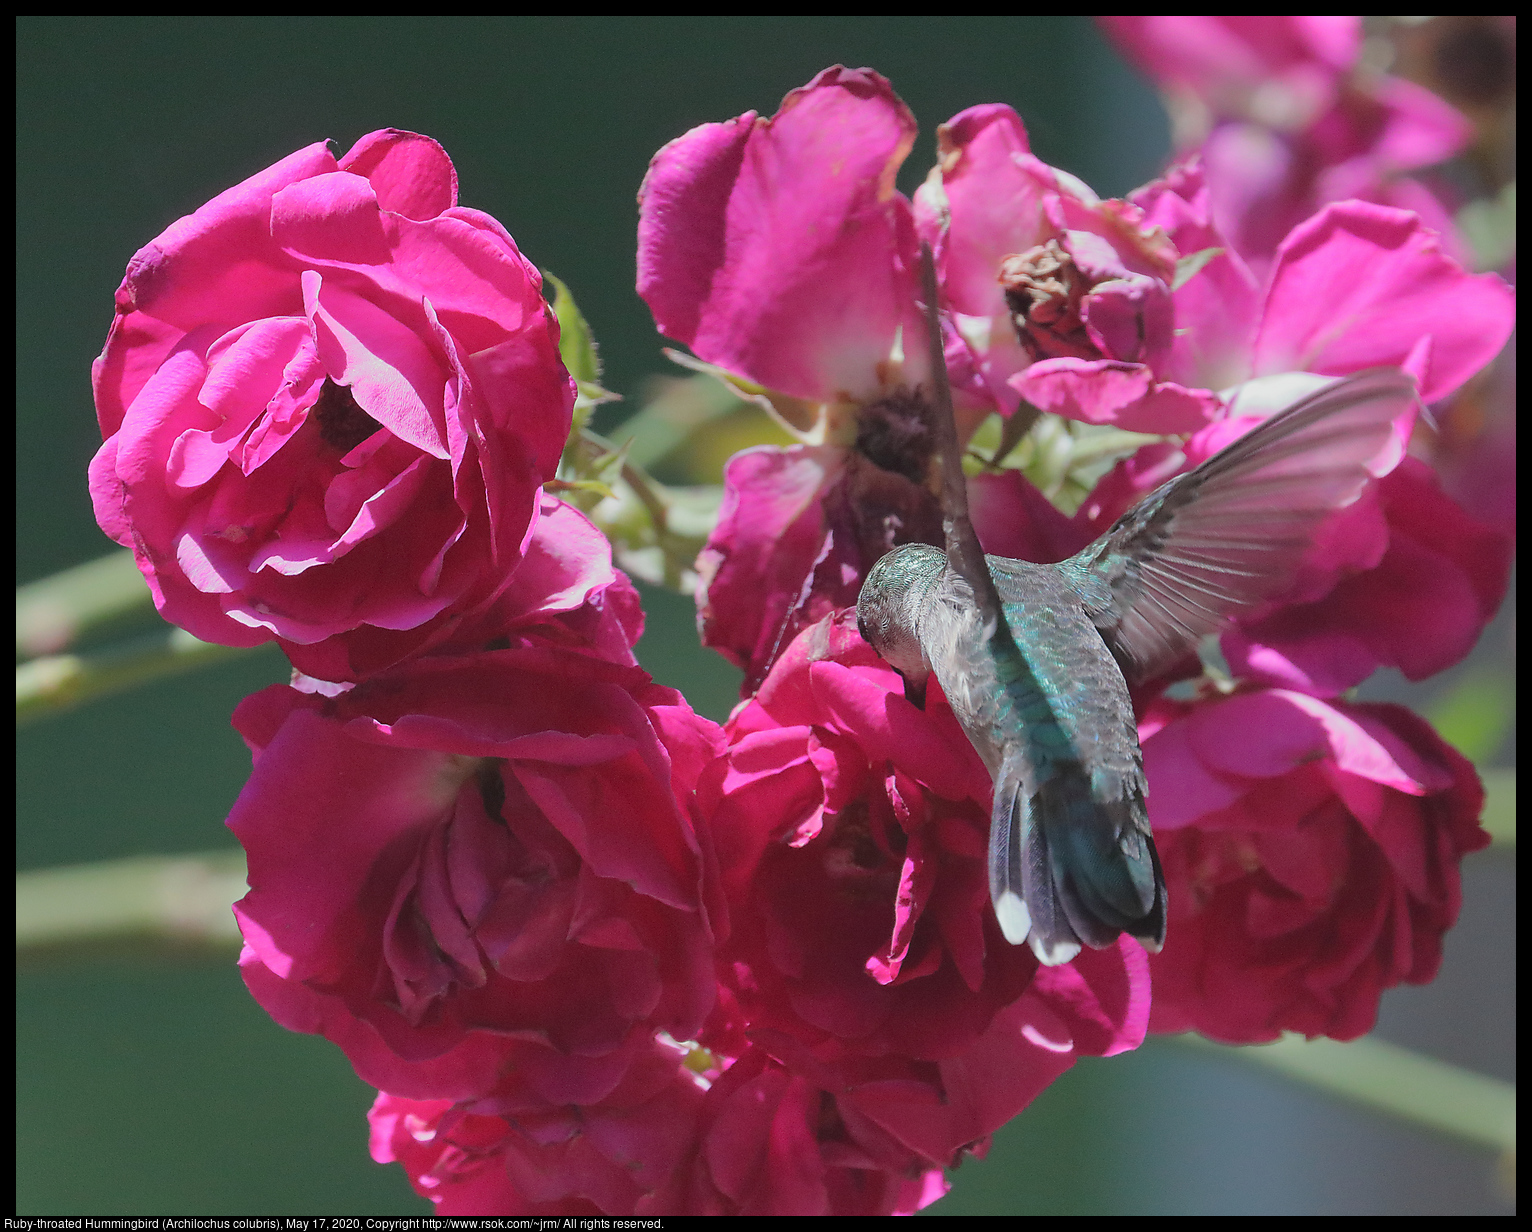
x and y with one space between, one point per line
1358 284
1109 391
990 203
411 174
779 249
798 530
1042 276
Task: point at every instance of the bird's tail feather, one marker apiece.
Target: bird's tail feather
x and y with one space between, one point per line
1066 869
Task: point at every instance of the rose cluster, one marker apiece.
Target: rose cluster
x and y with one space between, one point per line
602 956
1311 843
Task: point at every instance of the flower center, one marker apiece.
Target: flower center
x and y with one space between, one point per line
342 423
1043 289
893 434
862 868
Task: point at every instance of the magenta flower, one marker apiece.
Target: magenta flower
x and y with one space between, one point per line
780 251
1355 286
329 399
476 862
824 1128
1311 853
1419 604
1060 298
798 530
515 1152
1286 122
850 829
1403 578
775 1141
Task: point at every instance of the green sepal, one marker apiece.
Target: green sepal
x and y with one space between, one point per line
592 486
1190 265
577 345
577 348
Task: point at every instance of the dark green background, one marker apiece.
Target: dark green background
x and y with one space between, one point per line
150 1086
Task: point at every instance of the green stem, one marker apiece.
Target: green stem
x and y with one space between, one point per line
56 683
1012 431
652 528
1499 816
1445 1098
52 613
183 900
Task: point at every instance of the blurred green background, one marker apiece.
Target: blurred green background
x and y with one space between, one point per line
153 1084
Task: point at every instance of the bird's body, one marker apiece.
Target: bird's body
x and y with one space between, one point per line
1042 693
1054 725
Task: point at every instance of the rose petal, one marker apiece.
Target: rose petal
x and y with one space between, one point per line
779 249
1358 284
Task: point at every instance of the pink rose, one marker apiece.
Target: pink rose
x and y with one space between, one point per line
775 1141
516 1153
1061 299
799 529
1311 852
850 829
780 251
329 398
822 1128
479 862
1286 121
1353 286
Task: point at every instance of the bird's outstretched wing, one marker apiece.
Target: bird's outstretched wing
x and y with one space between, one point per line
1231 533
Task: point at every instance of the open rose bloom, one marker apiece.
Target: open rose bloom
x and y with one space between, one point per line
601 956
779 250
480 864
329 399
1316 847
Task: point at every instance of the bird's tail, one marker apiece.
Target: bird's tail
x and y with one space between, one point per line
1067 869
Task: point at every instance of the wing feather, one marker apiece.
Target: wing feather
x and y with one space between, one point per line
1222 538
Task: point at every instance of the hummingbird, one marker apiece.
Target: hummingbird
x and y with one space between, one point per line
1037 674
